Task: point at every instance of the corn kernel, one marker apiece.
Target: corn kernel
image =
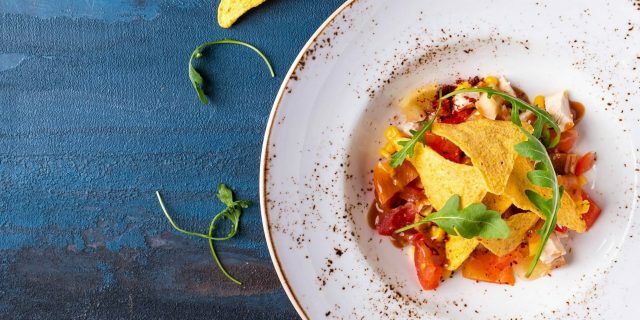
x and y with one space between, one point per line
437 233
491 80
582 180
539 102
384 153
392 133
463 85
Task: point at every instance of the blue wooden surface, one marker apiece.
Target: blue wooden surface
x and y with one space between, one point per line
96 114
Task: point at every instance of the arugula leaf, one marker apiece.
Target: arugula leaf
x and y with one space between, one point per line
196 78
408 146
543 117
545 176
232 212
473 221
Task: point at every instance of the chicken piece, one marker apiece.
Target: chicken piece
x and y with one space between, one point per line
505 86
489 107
465 100
553 249
558 106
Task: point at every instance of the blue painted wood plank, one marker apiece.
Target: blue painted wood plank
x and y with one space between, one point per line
97 114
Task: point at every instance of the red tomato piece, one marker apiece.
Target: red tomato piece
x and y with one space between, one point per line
567 140
456 117
391 220
411 193
561 229
592 215
444 147
585 163
428 268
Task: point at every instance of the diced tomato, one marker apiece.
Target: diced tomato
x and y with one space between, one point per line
383 183
486 266
412 193
456 117
391 220
561 229
585 163
405 174
444 147
388 181
428 264
567 140
571 185
592 215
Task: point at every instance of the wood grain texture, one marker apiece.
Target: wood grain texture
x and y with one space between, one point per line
97 114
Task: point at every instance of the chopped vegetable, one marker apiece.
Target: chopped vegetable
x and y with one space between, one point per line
485 266
592 215
444 147
585 163
396 218
428 264
567 140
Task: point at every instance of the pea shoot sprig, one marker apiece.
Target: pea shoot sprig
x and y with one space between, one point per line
196 78
544 174
232 212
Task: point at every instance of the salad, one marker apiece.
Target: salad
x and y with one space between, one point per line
481 180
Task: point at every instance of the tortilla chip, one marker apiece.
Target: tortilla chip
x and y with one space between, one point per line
230 10
496 202
489 144
568 216
518 224
442 178
458 249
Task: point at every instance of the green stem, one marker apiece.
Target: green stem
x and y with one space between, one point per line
175 226
215 256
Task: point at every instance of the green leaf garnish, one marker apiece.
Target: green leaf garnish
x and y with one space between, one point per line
408 146
232 212
545 176
473 221
196 78
543 117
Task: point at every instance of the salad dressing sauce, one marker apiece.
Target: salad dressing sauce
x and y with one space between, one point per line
372 215
577 109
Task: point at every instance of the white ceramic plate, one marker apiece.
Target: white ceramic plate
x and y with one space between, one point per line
326 128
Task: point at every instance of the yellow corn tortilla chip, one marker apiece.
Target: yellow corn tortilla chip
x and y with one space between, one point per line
230 10
489 144
442 178
518 224
458 249
496 202
568 215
